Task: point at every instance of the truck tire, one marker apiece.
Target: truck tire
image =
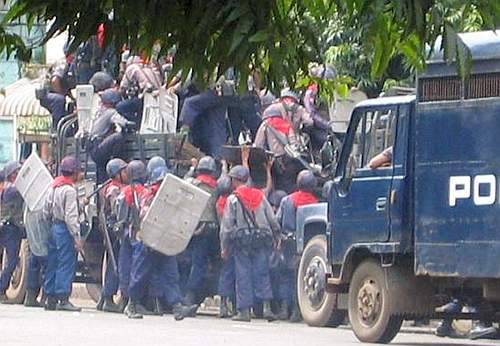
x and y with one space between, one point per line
318 307
17 288
370 308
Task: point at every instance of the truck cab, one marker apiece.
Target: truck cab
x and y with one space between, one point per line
405 238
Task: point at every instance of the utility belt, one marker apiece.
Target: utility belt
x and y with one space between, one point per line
252 239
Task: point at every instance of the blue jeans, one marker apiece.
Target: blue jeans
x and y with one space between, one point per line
10 240
144 264
61 262
111 281
36 272
227 278
200 249
252 277
124 265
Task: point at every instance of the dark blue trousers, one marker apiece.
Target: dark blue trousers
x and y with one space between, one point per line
36 272
287 285
111 280
227 278
131 109
61 262
144 262
252 277
10 240
200 249
124 265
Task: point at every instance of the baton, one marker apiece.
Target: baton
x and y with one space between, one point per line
96 191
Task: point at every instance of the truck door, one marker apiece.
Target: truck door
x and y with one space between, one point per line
361 198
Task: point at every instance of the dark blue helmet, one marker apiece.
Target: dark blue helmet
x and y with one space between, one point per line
101 81
158 174
114 167
239 173
306 180
110 97
154 163
136 171
10 168
206 165
69 165
276 197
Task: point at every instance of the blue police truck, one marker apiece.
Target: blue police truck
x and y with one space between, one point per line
395 242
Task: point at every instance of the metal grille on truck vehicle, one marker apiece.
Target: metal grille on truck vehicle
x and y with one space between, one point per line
450 88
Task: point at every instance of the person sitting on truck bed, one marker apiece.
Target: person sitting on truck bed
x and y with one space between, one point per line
287 216
106 136
382 159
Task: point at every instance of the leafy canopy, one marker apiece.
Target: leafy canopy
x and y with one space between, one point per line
279 37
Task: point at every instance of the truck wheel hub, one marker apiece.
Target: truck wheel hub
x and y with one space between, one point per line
314 281
369 303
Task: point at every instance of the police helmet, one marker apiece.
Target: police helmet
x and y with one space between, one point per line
101 81
154 163
306 180
239 173
287 92
136 171
266 98
70 165
276 197
223 186
206 165
110 97
114 167
158 174
10 168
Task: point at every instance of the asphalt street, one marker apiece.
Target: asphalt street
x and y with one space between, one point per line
22 326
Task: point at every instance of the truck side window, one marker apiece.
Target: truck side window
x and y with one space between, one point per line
375 133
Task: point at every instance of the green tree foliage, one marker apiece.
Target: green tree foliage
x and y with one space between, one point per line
280 37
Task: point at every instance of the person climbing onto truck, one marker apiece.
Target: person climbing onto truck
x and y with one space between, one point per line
287 216
382 159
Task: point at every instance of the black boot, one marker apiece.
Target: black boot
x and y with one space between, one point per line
100 303
122 304
131 311
110 306
65 305
30 300
267 312
141 309
189 298
444 328
157 307
223 308
182 311
283 313
296 315
50 303
243 315
3 298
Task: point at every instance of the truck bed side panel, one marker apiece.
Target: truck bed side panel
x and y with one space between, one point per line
454 236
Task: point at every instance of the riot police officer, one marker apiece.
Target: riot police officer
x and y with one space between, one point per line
248 229
287 216
204 240
116 170
11 225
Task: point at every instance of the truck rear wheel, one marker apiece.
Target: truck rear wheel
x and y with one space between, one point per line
318 307
17 288
370 309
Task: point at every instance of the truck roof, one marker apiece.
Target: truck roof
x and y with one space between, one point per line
383 101
483 45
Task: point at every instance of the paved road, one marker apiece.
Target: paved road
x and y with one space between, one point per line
20 326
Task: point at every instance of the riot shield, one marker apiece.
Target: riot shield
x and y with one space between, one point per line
173 216
33 181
